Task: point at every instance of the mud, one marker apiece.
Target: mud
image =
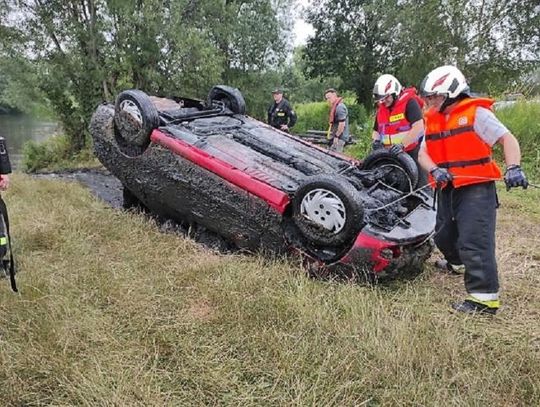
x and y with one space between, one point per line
100 182
108 188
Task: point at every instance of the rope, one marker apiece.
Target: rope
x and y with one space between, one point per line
429 185
399 199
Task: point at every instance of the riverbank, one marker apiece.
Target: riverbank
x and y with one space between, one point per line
113 311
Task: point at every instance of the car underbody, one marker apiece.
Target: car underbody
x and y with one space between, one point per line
262 189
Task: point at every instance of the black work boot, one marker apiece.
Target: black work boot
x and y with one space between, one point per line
446 267
473 307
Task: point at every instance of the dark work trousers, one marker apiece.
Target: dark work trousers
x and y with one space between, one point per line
3 238
422 174
466 233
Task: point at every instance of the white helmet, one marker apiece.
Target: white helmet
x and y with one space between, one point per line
445 80
386 85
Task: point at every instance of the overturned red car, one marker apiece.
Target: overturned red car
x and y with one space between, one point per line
208 163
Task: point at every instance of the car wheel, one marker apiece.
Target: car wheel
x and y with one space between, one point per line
399 171
328 210
231 97
135 116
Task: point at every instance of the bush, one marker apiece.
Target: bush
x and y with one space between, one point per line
311 116
314 116
54 154
521 119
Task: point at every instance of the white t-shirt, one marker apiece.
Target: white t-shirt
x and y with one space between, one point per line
488 127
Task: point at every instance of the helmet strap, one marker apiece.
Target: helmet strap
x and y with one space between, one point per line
450 101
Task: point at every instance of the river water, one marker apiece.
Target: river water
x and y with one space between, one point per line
18 129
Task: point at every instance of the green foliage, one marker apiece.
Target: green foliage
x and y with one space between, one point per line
85 52
314 116
522 120
311 116
494 43
54 154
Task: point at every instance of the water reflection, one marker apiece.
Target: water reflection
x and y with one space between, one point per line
18 129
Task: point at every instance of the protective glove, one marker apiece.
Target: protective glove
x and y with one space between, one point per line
396 149
515 177
441 176
377 145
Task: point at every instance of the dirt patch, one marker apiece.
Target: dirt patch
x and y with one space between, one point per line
100 182
108 188
201 310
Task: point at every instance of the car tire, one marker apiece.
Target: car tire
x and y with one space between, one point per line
135 116
328 210
231 97
405 175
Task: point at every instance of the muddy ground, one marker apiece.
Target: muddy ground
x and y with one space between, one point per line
108 188
100 182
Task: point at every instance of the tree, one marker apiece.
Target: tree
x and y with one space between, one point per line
494 42
352 41
86 51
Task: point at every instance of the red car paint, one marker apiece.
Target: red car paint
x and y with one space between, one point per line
275 198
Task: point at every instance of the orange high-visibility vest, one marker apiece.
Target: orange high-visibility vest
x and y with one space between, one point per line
453 144
391 122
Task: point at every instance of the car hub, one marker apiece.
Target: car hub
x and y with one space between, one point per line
132 109
324 208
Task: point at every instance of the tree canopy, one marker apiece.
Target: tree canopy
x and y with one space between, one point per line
86 51
75 54
494 42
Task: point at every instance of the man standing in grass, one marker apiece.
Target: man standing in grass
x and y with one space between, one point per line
7 267
338 121
457 152
280 114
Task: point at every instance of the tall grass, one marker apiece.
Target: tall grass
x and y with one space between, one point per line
523 120
520 118
314 116
114 312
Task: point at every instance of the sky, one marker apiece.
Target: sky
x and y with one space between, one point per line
302 30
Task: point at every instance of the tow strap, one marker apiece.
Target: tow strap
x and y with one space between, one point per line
8 265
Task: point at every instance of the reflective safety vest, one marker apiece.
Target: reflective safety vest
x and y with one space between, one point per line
391 122
453 144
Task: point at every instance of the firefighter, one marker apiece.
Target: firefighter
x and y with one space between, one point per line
399 124
7 267
280 113
457 152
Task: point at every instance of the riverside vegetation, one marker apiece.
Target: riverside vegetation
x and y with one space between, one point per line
114 312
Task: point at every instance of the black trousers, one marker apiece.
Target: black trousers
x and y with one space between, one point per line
3 238
466 218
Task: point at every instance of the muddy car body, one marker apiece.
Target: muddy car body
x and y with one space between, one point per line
207 163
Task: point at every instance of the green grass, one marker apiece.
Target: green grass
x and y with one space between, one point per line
522 120
314 116
114 312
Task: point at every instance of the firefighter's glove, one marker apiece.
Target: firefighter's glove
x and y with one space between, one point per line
396 149
441 176
377 145
515 177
